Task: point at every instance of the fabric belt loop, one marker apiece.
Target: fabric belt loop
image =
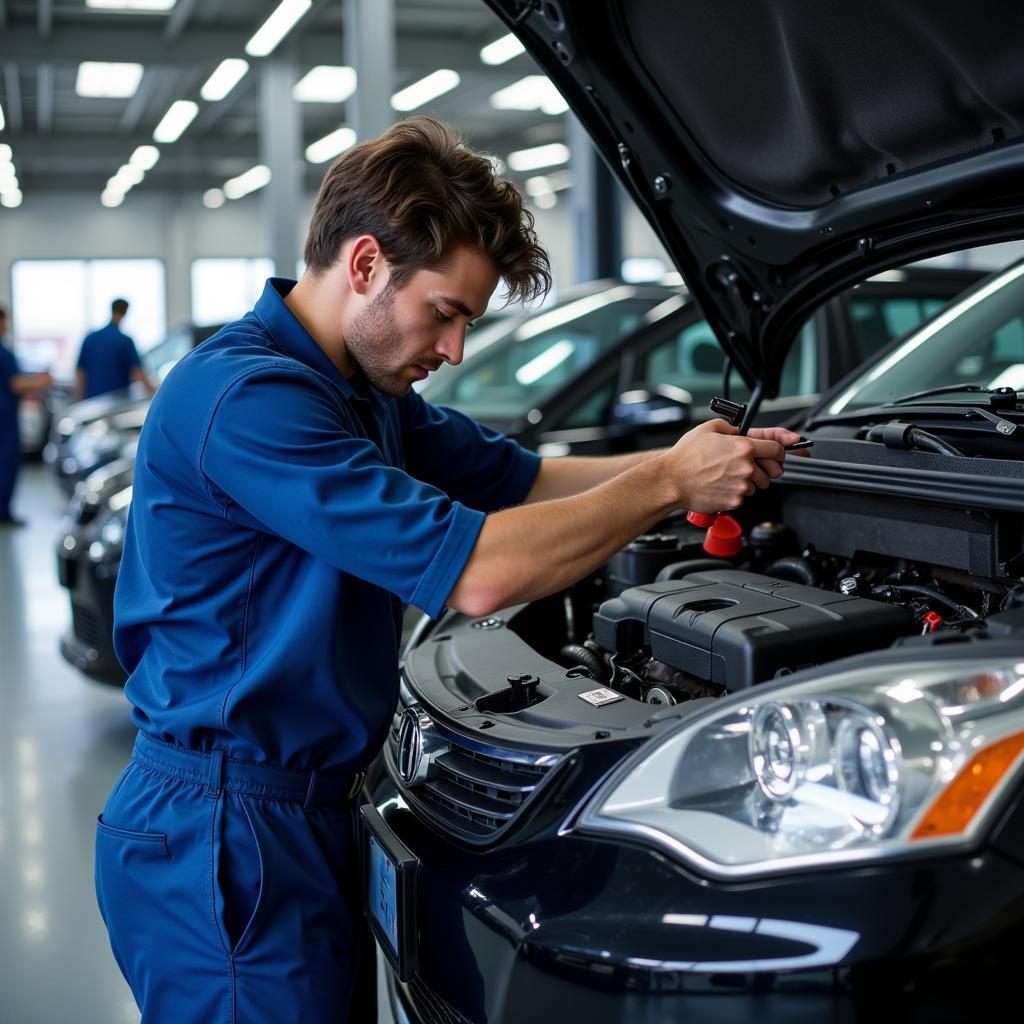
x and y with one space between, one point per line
214 783
311 791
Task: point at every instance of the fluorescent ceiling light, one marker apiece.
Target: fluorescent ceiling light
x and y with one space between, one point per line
501 50
539 156
130 174
2 121
130 5
326 83
213 198
330 145
426 89
97 78
254 178
276 27
6 153
11 199
144 157
534 92
228 74
554 182
543 364
7 173
175 121
111 198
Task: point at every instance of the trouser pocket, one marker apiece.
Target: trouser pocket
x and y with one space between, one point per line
238 871
128 866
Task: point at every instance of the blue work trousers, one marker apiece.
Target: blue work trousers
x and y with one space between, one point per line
10 463
229 897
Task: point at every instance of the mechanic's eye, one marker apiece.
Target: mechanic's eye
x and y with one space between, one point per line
442 318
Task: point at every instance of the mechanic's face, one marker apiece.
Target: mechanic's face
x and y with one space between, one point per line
406 332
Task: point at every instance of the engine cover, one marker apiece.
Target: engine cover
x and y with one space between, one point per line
740 628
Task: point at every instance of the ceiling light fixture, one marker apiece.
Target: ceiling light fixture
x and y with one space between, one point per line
228 74
178 117
110 197
144 157
501 50
6 153
11 198
276 27
330 145
426 89
539 156
534 92
326 83
2 121
254 178
213 198
107 80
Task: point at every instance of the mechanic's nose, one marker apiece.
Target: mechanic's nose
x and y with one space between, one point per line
451 344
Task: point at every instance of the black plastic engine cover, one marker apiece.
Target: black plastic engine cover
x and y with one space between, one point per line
740 628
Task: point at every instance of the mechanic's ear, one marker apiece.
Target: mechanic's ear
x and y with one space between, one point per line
363 262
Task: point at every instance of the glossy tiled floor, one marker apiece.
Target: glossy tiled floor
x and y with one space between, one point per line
63 741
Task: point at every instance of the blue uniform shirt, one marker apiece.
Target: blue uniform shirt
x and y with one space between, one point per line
8 399
276 510
108 357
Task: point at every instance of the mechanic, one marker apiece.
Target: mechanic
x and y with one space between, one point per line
13 384
108 359
291 493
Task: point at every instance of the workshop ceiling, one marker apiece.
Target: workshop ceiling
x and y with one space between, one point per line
62 141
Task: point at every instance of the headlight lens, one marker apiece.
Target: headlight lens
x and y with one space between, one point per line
110 528
854 766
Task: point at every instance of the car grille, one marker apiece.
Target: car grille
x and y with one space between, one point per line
85 625
432 1008
475 793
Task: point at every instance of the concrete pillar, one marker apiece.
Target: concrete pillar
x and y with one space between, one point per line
281 151
369 47
597 210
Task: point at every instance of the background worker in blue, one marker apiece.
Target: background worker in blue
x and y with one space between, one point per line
291 492
108 359
13 384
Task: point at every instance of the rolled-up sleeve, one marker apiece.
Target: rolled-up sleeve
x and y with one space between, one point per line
276 447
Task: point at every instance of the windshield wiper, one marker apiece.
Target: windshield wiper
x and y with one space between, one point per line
1002 396
960 413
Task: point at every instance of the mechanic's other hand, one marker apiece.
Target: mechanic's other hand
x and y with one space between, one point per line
719 468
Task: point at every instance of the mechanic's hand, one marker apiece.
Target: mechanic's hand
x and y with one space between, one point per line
721 468
783 436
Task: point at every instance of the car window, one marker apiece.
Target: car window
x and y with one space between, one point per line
591 412
161 357
878 319
692 359
515 374
977 340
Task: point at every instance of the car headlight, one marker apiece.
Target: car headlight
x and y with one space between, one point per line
859 765
110 528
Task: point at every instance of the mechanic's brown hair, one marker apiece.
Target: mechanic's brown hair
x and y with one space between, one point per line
422 192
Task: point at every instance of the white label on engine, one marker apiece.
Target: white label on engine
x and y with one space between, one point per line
600 697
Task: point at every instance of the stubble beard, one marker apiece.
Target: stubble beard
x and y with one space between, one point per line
374 345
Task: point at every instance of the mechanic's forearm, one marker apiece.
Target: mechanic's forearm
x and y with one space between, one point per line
527 552
573 474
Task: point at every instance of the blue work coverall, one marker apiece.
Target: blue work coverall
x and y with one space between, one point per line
10 445
108 357
281 516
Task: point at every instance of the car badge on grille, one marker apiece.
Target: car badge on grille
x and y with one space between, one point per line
418 746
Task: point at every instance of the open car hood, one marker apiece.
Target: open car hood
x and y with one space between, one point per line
783 150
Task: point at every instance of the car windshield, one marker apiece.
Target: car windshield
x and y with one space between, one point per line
978 340
518 362
159 360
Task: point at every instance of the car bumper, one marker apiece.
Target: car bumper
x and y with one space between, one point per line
89 645
582 927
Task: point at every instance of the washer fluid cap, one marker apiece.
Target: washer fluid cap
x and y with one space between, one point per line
724 538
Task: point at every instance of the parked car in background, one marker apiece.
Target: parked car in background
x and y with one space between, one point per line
87 435
784 783
614 367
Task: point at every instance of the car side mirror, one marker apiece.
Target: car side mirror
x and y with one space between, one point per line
659 406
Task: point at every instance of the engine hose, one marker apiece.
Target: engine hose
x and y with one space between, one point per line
592 662
677 570
906 435
794 568
887 590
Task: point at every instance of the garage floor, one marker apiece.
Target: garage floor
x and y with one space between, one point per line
63 742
